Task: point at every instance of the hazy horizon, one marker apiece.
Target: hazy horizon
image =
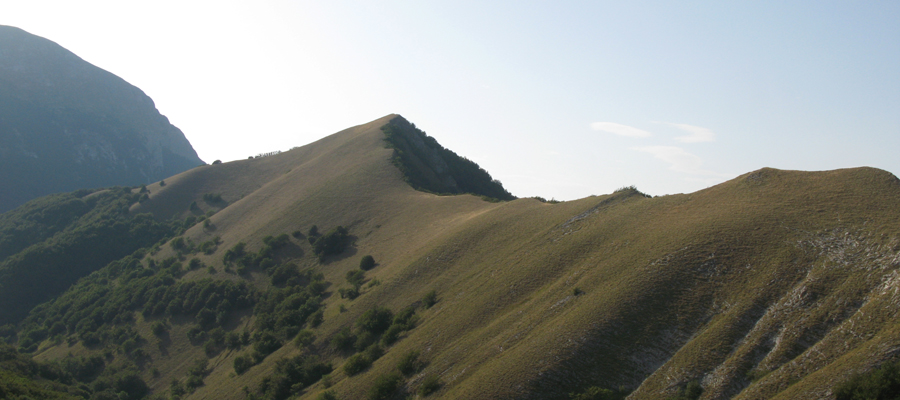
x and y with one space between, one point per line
560 101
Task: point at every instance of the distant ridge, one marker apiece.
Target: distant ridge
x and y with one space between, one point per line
66 124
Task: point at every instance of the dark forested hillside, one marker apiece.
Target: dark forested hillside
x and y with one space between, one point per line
49 243
66 124
428 166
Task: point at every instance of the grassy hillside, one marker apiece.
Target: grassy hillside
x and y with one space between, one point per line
777 284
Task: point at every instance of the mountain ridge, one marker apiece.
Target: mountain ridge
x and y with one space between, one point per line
775 284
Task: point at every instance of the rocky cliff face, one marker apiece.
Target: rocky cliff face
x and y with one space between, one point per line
66 124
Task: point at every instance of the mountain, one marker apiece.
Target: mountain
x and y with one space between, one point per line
776 284
66 124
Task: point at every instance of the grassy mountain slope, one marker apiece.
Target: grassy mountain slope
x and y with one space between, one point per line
777 284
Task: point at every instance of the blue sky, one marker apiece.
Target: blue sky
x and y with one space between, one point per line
556 99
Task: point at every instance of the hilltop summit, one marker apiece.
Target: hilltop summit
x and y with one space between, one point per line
66 124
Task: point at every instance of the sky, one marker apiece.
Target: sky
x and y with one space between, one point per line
560 99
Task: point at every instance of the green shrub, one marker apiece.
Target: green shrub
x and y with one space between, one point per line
206 318
691 391
391 335
375 320
430 299
242 364
264 343
315 319
213 199
598 393
356 363
277 242
349 293
327 395
192 383
385 386
195 334
176 388
234 253
409 364
430 384
233 340
331 243
374 352
158 328
363 340
210 246
880 383
343 340
199 368
406 318
283 274
355 277
304 338
367 263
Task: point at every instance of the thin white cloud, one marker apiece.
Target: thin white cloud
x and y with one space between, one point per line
619 129
678 159
697 133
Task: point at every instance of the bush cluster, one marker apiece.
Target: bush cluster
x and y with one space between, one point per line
292 375
374 330
281 314
691 391
599 393
331 243
214 199
263 259
880 383
70 377
367 263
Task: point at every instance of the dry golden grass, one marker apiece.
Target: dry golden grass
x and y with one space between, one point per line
787 277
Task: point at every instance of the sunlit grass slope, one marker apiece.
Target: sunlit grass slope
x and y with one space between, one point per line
777 284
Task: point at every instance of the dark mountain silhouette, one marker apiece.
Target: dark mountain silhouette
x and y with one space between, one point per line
66 124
